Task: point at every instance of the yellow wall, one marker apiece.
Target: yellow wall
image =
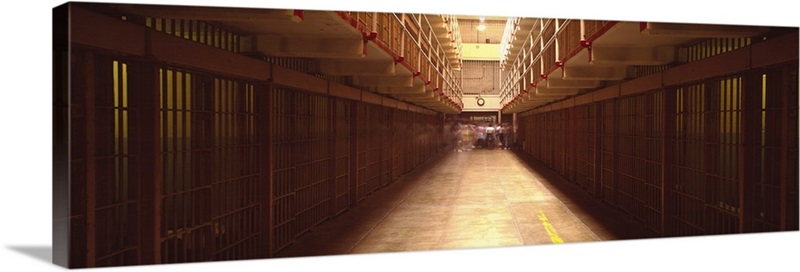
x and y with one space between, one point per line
480 51
492 102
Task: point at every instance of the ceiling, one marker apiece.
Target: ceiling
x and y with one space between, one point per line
477 17
337 42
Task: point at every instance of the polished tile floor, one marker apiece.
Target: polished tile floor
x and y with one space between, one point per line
476 199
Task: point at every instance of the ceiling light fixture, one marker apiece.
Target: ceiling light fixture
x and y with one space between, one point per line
481 27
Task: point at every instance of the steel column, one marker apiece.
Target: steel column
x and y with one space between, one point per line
150 193
667 157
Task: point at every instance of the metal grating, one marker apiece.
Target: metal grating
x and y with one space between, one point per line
284 180
775 169
77 165
558 135
170 165
80 65
197 31
569 37
409 132
187 135
571 148
311 147
369 120
608 175
722 144
767 167
584 144
790 157
639 126
117 164
416 140
342 130
302 127
711 157
480 76
689 188
298 64
385 140
399 142
210 174
713 47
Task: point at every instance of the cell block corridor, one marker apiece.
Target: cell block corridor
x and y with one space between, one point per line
191 135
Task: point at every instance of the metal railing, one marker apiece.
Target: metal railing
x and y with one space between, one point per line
548 43
412 40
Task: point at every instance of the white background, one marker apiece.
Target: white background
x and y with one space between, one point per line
26 166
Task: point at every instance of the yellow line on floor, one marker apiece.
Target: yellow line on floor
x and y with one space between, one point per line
551 231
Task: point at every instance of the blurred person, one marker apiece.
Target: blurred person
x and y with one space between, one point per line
480 142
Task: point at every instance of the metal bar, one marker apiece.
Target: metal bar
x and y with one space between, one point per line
150 192
724 64
710 128
86 73
354 144
266 166
333 157
667 158
750 147
63 182
785 88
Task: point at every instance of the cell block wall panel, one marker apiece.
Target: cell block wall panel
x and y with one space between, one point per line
774 170
713 47
640 128
372 137
108 172
76 164
767 173
342 140
399 143
727 147
82 70
187 146
197 31
409 130
529 139
417 138
608 174
558 136
284 184
117 162
790 159
209 168
571 128
688 175
384 138
538 137
298 64
312 141
427 136
584 120
104 162
235 189
723 141
302 157
527 126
